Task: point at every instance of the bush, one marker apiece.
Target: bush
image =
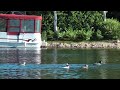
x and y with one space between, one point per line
97 35
84 34
50 35
44 36
76 35
68 34
111 29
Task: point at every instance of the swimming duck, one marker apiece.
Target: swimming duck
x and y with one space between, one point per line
99 63
85 66
23 64
67 66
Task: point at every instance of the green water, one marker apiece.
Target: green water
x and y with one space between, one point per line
81 56
49 63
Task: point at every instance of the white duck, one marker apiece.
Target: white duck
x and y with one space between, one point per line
67 66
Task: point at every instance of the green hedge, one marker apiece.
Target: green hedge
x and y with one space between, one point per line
111 29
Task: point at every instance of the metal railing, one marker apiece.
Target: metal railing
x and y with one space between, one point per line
13 12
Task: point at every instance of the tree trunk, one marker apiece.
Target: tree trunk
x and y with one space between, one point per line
55 21
104 13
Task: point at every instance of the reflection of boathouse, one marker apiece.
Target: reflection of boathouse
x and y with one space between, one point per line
15 55
20 30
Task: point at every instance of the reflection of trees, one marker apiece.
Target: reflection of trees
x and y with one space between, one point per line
95 57
55 60
103 73
103 55
103 58
33 74
88 56
54 56
83 56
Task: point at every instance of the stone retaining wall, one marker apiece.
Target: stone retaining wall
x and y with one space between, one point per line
83 45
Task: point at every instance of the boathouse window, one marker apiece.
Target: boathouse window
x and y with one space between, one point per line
14 23
38 25
13 29
2 25
27 25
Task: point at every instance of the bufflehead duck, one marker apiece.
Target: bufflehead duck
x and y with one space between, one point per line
99 63
67 66
23 64
85 66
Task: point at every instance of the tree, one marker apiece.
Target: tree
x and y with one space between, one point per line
55 21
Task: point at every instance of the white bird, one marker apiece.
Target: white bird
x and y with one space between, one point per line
85 66
67 66
99 63
23 64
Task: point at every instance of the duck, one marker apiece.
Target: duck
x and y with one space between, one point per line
67 66
99 63
23 64
85 66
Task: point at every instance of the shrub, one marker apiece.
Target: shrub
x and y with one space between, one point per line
97 35
111 29
84 34
50 35
44 36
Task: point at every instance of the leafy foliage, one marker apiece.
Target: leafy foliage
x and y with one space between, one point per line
111 29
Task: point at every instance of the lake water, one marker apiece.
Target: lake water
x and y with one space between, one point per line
49 63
